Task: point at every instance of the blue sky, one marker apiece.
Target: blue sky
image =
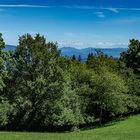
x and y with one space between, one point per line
72 23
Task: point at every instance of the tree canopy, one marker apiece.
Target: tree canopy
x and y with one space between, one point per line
41 90
132 56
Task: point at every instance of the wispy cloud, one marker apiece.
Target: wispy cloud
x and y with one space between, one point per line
113 9
24 6
100 14
128 9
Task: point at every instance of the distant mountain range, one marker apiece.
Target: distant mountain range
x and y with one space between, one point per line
70 51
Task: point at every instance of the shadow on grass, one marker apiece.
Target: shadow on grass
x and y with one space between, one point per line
96 125
67 129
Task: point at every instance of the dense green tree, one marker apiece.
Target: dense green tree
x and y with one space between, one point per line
134 93
5 107
73 57
69 106
79 58
91 60
2 45
99 59
37 80
132 56
109 95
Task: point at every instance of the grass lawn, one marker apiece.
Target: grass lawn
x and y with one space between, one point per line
128 129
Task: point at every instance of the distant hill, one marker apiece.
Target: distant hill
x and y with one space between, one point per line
10 47
69 51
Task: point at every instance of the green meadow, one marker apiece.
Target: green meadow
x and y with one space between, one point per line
128 129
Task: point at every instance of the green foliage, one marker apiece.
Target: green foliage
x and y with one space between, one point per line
110 94
134 93
69 106
5 110
99 59
132 56
2 45
73 58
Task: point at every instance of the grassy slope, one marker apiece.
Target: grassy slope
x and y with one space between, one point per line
128 129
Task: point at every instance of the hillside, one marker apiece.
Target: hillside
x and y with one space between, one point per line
128 129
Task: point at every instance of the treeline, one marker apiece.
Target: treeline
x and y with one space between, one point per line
42 91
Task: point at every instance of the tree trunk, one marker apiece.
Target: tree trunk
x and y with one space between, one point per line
101 114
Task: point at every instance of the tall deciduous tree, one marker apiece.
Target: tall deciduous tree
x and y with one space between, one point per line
5 107
37 79
109 95
132 56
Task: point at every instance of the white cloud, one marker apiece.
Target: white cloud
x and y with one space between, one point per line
80 45
76 44
111 45
100 14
